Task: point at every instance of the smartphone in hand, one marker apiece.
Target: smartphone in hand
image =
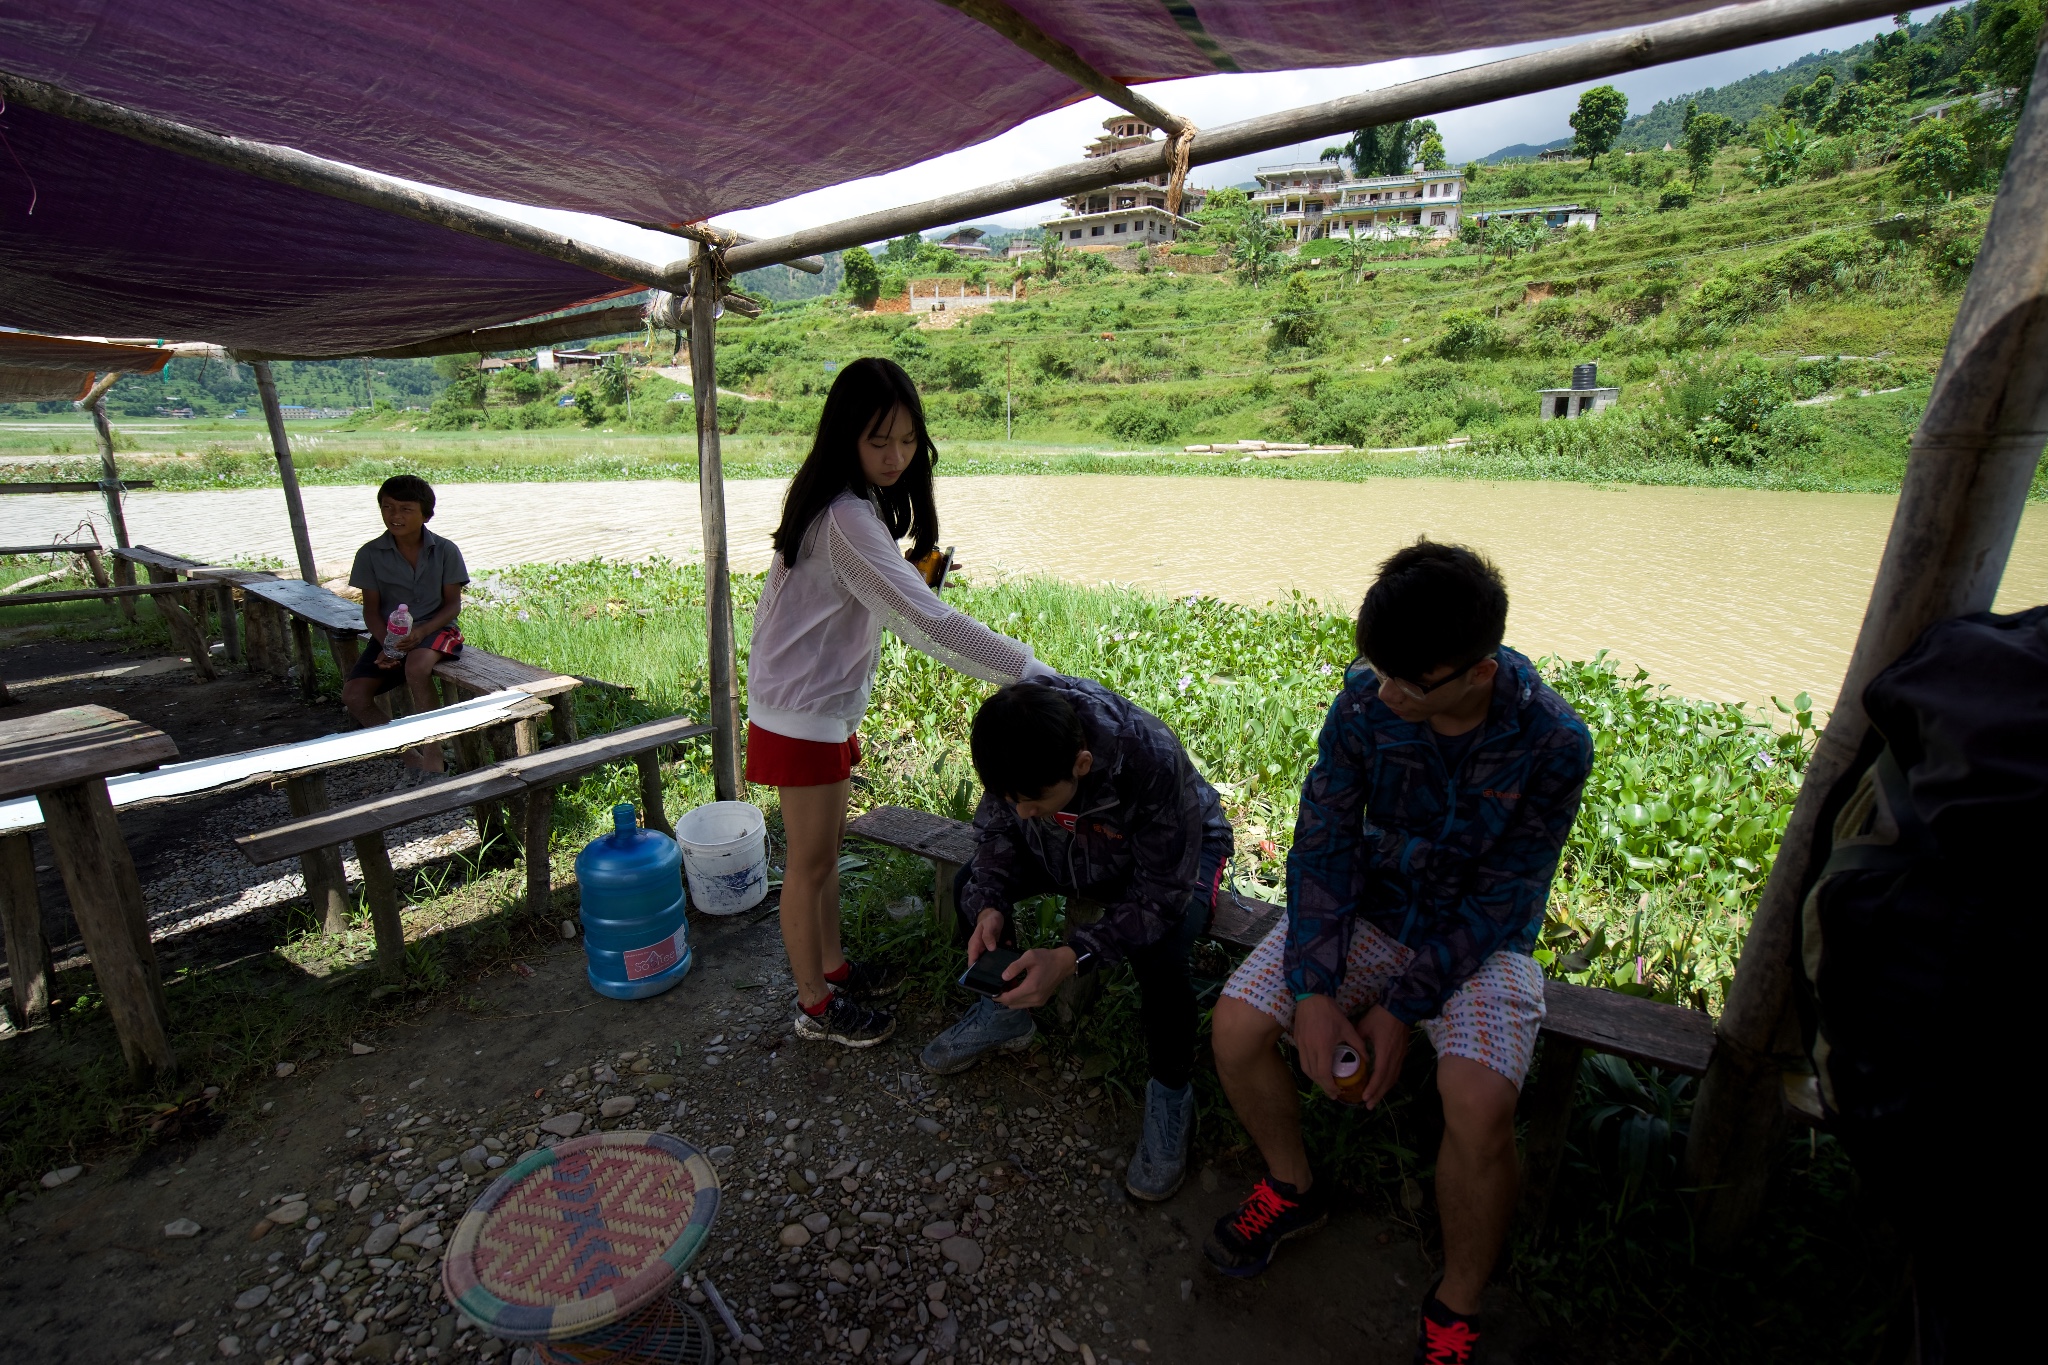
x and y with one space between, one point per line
986 975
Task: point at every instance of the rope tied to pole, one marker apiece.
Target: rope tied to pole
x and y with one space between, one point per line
1177 177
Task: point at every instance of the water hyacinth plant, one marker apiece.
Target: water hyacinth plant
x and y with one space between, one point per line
1681 818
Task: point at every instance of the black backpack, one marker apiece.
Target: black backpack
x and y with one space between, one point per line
1932 863
1922 946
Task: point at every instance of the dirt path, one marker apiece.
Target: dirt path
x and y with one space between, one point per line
1017 1156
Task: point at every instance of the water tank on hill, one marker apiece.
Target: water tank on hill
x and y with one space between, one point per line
1586 376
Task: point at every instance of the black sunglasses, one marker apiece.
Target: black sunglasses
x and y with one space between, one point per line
1424 689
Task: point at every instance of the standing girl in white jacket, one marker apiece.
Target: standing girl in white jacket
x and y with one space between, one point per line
837 580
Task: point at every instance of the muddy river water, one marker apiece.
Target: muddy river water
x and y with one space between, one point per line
1726 593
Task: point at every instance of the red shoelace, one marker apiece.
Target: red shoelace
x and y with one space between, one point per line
1261 1207
1448 1343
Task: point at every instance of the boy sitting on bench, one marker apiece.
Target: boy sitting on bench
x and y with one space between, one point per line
411 565
1447 777
1091 797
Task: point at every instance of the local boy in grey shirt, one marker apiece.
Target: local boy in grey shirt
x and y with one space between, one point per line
407 565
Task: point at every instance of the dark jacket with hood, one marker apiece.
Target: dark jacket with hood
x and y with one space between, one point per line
1454 864
1132 838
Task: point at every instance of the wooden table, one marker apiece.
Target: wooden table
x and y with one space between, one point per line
64 758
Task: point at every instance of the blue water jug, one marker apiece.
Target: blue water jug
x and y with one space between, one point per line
635 939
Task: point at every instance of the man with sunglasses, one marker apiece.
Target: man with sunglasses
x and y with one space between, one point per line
1447 777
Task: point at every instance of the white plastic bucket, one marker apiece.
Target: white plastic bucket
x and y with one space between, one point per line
725 856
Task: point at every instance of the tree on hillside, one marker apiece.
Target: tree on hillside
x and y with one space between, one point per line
1301 319
1430 151
1935 162
903 250
1255 251
1704 135
1596 123
863 277
1389 148
1051 250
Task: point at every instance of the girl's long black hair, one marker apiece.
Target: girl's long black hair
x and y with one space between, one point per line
862 397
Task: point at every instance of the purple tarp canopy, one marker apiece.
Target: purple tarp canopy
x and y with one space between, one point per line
127 240
675 111
667 113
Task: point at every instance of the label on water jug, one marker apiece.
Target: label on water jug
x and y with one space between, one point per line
656 958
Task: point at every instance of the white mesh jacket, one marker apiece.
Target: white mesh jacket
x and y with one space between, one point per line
818 629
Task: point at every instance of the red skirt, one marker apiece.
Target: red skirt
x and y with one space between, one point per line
778 761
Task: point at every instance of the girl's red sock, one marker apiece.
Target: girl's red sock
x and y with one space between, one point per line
839 973
817 1011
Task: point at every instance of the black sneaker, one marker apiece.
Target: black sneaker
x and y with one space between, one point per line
1445 1338
865 981
1244 1242
845 1023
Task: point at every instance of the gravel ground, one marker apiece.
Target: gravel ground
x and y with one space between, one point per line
871 1212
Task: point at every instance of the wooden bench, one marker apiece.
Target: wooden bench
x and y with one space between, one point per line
1577 1018
273 607
529 781
301 769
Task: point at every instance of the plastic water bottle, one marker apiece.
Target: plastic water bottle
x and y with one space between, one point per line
396 627
636 942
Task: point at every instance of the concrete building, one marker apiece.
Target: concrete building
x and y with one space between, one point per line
966 242
1317 199
1125 215
1583 399
1558 216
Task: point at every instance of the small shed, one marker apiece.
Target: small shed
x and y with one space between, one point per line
1584 398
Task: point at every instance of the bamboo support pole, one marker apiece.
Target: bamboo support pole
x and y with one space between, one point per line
725 767
95 402
281 446
1715 30
1972 460
1063 59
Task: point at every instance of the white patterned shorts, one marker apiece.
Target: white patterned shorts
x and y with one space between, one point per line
1492 1019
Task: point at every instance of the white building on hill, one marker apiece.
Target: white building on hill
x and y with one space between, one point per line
1318 199
1130 214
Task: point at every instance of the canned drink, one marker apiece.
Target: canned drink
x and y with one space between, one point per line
1351 1073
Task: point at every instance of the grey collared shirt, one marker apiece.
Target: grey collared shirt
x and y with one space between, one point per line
381 569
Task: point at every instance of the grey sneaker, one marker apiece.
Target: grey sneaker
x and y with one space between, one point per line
1161 1161
986 1027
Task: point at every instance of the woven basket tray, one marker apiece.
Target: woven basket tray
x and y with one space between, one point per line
574 1238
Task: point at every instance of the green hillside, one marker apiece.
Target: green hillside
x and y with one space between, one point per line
1739 100
1721 320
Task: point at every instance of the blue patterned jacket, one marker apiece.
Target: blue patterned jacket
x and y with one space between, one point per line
1133 837
1455 865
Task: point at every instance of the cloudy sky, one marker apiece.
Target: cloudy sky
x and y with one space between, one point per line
1058 138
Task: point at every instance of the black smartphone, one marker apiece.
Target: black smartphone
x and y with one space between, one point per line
986 975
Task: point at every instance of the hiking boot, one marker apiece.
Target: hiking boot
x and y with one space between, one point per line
845 1023
986 1028
1445 1338
865 981
1244 1242
1161 1161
